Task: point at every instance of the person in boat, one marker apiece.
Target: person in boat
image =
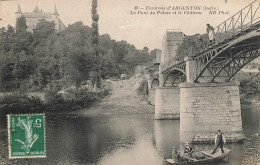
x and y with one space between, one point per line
220 140
188 152
176 154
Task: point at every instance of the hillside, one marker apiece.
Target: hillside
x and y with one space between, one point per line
123 98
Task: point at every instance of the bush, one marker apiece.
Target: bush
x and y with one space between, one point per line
249 82
21 103
249 86
55 102
143 88
73 100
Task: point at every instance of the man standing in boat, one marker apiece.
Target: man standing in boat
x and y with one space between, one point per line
219 141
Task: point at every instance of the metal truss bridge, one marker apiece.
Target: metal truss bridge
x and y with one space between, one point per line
237 42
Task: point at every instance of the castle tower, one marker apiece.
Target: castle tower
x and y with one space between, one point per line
18 13
36 9
55 18
31 19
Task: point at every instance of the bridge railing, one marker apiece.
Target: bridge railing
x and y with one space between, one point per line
242 20
170 64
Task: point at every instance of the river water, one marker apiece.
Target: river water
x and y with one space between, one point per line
125 140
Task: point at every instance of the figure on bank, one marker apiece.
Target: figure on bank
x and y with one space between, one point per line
219 141
211 34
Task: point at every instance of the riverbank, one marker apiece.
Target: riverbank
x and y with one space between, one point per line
119 97
122 100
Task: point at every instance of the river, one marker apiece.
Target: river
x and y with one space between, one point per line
125 140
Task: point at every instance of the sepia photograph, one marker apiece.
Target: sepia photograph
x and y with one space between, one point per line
129 82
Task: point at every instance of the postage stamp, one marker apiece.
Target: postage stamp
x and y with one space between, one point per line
26 136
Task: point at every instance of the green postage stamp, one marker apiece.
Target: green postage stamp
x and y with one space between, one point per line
26 136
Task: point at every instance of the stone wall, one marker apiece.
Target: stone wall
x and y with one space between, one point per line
208 107
151 96
167 103
31 23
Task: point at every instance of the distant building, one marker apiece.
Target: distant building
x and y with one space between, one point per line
32 18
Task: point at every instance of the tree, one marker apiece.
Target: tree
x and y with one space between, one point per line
153 53
43 30
78 59
44 36
16 56
21 25
145 50
191 45
95 36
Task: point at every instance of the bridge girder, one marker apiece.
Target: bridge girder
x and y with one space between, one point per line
180 65
175 77
225 61
232 65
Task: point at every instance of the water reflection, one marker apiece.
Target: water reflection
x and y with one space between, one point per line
141 153
166 133
125 140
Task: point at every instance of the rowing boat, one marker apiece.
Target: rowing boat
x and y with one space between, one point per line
208 158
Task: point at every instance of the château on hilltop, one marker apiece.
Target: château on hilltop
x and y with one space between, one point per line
32 18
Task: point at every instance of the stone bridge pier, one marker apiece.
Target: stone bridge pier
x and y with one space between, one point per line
167 103
208 107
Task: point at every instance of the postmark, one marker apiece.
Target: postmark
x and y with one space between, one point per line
26 136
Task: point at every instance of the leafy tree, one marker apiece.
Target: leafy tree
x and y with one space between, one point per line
43 30
191 45
45 37
153 53
16 56
77 54
21 25
78 59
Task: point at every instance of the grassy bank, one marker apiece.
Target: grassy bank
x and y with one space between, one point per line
54 102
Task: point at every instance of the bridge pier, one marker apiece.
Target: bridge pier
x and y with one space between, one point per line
208 107
190 69
161 79
167 103
151 96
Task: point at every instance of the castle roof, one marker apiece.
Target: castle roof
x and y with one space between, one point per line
36 15
36 9
18 9
61 25
55 12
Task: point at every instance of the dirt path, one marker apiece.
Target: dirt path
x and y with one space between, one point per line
123 100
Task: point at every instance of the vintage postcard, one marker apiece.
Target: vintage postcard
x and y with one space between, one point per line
112 82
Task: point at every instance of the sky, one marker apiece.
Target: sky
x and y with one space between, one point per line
138 29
